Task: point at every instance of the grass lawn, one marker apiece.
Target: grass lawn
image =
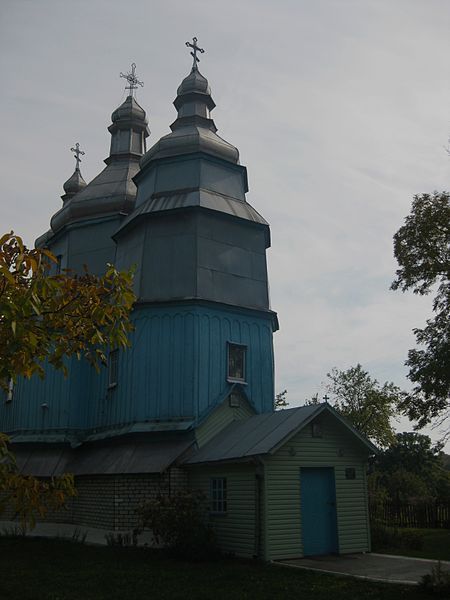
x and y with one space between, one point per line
39 569
436 545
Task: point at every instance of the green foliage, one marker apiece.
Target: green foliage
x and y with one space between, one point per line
30 497
46 569
437 582
410 469
422 250
368 405
280 400
179 522
390 537
46 317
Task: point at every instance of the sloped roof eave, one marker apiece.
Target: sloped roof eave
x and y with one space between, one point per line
228 445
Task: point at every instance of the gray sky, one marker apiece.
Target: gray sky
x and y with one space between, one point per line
340 110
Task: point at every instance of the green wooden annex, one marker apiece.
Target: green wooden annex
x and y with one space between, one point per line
285 484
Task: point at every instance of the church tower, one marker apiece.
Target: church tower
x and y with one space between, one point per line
203 321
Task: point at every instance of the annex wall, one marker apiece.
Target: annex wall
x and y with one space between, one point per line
338 449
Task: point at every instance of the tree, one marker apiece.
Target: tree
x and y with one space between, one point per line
412 468
280 400
368 405
422 250
47 318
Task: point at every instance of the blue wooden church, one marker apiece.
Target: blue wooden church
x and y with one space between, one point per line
191 403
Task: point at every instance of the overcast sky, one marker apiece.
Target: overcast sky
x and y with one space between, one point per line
340 110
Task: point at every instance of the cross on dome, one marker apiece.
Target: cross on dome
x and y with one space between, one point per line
195 49
132 80
76 154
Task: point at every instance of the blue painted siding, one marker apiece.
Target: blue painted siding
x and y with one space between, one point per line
175 369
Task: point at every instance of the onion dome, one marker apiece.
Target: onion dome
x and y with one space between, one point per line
74 184
112 192
129 111
193 130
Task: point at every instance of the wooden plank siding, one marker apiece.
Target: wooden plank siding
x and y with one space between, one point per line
336 448
222 416
235 530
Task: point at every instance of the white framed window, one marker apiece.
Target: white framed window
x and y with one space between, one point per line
113 368
236 362
10 393
218 495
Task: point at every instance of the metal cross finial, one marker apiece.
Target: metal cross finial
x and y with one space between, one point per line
196 49
326 398
132 80
77 153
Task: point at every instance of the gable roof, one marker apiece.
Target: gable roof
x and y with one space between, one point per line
265 434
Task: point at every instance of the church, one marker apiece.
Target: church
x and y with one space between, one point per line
191 403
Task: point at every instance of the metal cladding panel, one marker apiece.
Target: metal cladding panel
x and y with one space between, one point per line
176 368
168 267
129 254
218 256
177 175
232 232
176 365
46 404
226 180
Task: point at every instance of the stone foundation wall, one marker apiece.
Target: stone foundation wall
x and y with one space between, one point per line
110 501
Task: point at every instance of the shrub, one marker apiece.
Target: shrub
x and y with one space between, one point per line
179 522
122 540
437 582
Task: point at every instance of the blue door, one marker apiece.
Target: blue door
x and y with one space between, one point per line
318 504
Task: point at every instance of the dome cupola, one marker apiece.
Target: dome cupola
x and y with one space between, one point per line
193 130
75 183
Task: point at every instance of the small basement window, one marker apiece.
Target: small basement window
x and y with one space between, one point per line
218 495
236 362
113 368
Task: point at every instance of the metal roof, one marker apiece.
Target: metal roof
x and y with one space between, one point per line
263 434
196 198
112 458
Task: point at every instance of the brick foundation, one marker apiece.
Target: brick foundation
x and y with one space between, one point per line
110 501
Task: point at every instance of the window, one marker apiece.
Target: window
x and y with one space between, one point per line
236 362
113 368
10 392
218 495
